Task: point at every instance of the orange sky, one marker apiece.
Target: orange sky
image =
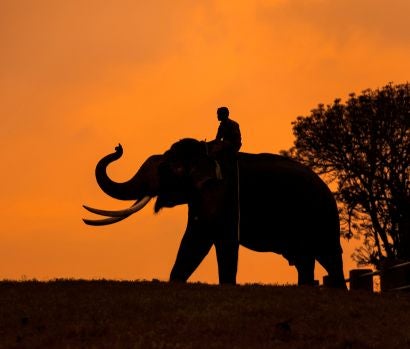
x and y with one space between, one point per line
77 77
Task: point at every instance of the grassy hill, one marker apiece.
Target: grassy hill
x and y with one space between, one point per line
113 314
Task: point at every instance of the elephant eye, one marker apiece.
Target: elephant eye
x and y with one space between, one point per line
180 170
172 169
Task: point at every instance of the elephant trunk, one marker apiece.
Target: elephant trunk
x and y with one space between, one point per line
143 183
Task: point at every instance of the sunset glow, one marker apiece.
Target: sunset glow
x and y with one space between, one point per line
77 78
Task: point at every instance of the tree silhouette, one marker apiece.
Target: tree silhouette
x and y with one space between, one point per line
363 146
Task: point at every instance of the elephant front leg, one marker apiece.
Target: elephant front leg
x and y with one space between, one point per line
193 249
227 257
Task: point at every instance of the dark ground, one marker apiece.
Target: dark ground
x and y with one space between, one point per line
113 314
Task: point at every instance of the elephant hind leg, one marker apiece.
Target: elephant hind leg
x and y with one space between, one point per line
334 267
305 266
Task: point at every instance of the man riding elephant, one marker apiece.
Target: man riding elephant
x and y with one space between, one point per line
228 137
226 146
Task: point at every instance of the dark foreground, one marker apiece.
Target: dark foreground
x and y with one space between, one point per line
110 314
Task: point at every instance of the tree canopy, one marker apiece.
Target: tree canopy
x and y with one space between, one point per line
363 146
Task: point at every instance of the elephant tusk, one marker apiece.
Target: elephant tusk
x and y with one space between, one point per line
105 221
138 205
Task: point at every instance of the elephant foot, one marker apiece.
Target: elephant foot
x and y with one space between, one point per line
334 266
178 277
305 266
227 282
335 283
177 281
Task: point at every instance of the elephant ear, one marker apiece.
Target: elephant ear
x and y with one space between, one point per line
209 171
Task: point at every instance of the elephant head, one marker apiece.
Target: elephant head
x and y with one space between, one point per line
172 177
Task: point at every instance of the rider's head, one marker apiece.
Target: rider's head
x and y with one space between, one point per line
223 113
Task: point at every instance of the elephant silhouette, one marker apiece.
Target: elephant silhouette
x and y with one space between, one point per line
281 206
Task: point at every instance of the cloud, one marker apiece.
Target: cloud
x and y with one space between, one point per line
77 77
61 40
55 54
339 20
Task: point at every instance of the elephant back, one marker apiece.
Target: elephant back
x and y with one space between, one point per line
285 206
